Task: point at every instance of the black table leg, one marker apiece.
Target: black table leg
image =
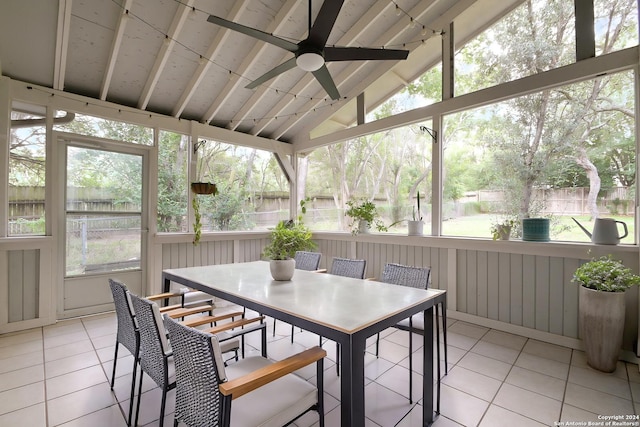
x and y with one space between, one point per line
427 381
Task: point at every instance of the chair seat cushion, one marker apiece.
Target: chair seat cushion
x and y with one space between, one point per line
273 404
417 322
229 345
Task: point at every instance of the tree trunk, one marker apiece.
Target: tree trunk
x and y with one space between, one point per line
594 181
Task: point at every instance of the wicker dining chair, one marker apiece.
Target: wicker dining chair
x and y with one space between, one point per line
208 393
416 277
354 268
127 334
156 354
308 261
156 357
345 267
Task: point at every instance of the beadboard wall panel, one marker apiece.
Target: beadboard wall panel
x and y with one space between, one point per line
24 285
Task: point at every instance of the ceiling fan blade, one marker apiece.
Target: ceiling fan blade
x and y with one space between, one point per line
252 32
285 66
324 78
362 54
324 22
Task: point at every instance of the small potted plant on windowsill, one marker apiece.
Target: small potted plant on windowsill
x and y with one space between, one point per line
287 238
601 310
416 225
363 214
501 230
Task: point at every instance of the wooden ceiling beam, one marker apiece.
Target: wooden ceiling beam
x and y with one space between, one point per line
368 20
115 48
165 51
393 34
205 64
62 43
280 21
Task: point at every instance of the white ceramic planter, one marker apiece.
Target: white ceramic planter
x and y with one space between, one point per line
282 269
363 227
415 228
601 317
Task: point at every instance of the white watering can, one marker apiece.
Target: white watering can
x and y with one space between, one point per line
605 231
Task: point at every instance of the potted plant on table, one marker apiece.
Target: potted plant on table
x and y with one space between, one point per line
286 239
601 311
363 214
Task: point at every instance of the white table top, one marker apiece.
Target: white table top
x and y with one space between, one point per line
341 303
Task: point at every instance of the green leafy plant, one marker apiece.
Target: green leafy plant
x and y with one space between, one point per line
605 274
417 215
200 188
364 211
286 239
289 237
498 227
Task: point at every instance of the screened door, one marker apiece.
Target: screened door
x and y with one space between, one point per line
104 223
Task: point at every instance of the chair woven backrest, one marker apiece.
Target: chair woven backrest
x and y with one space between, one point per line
349 267
198 402
127 334
153 342
307 260
415 277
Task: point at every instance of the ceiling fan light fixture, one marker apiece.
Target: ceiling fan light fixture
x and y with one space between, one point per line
310 61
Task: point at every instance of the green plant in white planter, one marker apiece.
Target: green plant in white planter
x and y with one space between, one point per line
501 229
286 239
603 282
415 226
364 214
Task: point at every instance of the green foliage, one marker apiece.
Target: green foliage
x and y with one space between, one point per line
504 223
286 239
197 225
605 274
364 210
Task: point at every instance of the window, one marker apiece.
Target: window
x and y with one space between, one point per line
173 155
561 153
616 25
388 168
537 36
27 163
253 192
110 129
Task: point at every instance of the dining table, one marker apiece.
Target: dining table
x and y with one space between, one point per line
341 309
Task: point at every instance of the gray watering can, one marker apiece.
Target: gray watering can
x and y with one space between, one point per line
605 231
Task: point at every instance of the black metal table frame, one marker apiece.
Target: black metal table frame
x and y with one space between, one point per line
352 368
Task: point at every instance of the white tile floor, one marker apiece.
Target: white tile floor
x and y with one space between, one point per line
59 375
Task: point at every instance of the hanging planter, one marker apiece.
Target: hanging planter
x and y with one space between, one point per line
200 188
203 188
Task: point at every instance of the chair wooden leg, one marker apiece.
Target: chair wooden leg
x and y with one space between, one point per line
292 330
274 327
377 344
115 359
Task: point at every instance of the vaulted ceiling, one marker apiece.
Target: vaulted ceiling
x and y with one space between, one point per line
163 56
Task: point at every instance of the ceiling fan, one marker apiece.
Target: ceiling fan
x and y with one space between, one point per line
312 54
